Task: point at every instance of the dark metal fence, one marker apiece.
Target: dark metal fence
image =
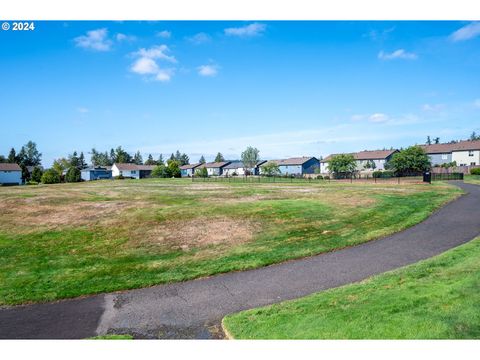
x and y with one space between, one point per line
312 180
445 177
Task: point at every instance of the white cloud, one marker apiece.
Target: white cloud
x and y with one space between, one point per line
247 30
122 37
94 40
165 34
379 35
156 52
467 32
378 118
82 110
200 38
144 66
147 63
207 70
476 103
397 54
164 75
433 107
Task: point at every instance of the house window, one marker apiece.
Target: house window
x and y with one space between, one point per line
133 171
444 156
473 163
470 153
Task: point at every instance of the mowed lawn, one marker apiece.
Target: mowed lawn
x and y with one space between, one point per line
66 240
438 298
472 179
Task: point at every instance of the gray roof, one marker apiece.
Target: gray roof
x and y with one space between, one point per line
9 167
236 164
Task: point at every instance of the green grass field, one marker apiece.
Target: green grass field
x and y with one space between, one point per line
66 240
472 179
438 298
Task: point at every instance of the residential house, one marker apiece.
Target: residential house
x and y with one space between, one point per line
238 168
367 160
464 153
298 165
97 173
214 168
10 174
133 171
188 170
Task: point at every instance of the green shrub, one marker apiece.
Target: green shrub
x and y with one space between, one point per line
319 177
475 171
202 172
383 174
119 177
160 171
31 182
50 177
36 174
73 175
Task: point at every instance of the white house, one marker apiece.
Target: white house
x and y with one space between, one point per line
188 170
238 168
214 168
464 153
367 160
10 174
133 171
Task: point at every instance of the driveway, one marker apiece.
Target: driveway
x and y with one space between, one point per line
194 309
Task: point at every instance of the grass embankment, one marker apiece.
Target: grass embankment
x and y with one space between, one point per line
472 179
66 240
438 298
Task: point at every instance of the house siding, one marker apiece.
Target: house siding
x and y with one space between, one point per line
10 177
467 157
97 174
439 159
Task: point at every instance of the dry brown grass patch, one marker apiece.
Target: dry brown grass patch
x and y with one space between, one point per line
200 232
35 215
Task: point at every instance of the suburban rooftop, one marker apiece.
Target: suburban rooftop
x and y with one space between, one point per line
129 167
446 148
9 167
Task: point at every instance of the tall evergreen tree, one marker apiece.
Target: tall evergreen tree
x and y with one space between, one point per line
202 160
137 158
178 156
12 156
121 156
113 157
81 162
437 140
29 155
172 157
150 160
184 159
429 141
73 160
160 160
219 158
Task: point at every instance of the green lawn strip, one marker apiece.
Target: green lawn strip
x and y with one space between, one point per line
438 298
69 262
472 179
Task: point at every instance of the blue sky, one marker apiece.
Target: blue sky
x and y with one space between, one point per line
288 88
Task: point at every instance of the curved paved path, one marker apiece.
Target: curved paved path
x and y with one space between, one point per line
194 309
